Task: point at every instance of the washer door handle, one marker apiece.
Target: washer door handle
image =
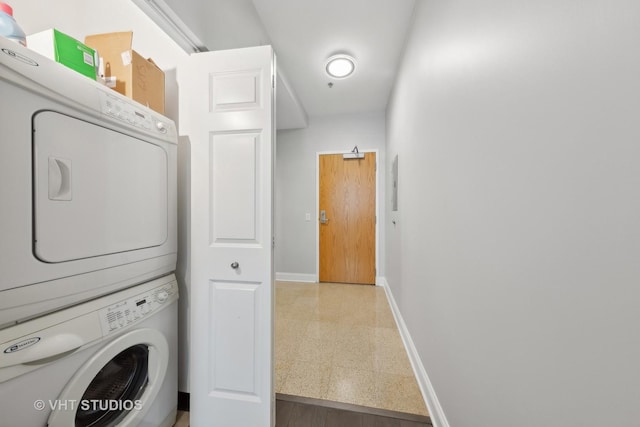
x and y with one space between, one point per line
44 351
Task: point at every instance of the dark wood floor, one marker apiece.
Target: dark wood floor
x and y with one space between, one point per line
296 411
299 414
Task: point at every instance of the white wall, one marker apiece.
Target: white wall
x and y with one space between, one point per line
516 125
233 24
79 18
193 14
296 182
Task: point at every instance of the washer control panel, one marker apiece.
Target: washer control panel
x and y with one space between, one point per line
129 113
135 309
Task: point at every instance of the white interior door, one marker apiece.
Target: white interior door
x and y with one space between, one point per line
229 100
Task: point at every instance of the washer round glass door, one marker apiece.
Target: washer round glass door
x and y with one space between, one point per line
114 392
118 384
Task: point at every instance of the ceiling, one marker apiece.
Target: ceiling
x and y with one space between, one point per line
304 33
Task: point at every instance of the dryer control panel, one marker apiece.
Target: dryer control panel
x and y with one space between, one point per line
132 310
114 106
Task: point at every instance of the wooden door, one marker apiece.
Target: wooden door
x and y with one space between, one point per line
229 102
348 225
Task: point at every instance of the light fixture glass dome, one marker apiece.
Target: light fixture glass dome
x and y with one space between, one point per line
340 66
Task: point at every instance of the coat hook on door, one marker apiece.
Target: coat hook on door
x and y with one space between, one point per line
354 154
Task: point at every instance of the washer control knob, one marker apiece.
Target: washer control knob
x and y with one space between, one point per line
162 296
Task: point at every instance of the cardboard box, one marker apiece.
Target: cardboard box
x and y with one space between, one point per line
128 72
66 50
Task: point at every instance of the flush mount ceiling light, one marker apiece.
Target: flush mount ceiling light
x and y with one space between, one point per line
340 66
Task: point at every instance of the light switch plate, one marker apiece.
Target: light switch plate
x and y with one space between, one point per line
307 217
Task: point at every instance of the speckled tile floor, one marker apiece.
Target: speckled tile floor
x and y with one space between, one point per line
340 342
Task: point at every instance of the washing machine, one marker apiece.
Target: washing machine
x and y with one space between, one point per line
88 183
109 362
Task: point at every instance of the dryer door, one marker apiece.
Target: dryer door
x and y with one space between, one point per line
96 191
118 385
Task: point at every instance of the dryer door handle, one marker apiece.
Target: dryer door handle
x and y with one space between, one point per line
59 179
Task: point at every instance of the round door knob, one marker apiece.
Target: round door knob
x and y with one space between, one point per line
235 265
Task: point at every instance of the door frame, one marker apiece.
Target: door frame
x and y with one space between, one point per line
320 153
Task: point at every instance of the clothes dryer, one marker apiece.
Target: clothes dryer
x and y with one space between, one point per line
88 188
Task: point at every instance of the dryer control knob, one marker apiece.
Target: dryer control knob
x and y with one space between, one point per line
162 296
161 127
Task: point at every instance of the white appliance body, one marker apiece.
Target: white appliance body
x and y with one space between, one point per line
119 350
88 188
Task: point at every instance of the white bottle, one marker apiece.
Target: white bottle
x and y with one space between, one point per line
9 28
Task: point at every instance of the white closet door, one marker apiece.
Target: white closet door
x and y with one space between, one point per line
230 100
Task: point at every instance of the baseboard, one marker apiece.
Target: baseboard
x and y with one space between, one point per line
184 400
380 281
296 277
438 419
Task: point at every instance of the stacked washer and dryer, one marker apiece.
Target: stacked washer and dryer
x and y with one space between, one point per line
88 301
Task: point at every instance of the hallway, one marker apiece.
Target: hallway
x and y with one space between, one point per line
340 343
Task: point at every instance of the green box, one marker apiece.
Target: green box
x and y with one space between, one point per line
66 50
